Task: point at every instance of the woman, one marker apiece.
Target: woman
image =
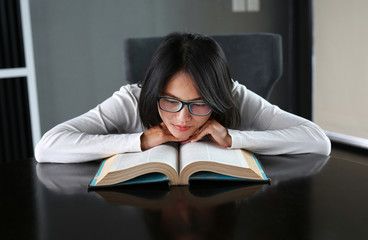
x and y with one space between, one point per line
186 94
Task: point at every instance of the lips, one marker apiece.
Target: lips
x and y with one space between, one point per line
181 128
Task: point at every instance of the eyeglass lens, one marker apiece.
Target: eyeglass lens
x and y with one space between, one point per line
173 105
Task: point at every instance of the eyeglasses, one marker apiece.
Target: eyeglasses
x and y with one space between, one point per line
173 105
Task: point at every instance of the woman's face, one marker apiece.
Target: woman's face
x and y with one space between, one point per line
182 124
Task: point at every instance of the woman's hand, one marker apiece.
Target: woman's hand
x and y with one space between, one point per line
214 131
155 136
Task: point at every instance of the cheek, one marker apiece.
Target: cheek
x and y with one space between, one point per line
164 115
201 120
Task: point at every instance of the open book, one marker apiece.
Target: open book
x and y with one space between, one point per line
177 165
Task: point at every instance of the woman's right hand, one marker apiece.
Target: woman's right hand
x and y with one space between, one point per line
155 136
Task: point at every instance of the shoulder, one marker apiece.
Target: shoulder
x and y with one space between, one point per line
133 90
125 99
252 107
240 92
237 86
127 94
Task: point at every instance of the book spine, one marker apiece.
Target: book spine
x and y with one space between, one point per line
94 180
264 176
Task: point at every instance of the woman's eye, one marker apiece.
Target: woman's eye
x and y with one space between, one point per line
171 101
198 105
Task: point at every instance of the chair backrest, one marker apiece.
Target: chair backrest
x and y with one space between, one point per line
255 59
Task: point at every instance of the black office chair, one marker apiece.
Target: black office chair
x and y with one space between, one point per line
255 59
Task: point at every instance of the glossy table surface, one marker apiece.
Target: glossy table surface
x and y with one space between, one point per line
309 197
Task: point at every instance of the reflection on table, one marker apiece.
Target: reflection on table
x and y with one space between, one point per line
203 210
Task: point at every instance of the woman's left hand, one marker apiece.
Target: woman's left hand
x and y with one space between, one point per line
214 131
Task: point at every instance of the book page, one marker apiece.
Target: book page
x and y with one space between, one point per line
165 153
209 151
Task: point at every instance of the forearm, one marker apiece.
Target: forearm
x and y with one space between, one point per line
111 127
305 138
66 146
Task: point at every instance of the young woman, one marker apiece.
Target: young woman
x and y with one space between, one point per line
187 94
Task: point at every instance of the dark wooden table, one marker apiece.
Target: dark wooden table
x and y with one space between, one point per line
310 197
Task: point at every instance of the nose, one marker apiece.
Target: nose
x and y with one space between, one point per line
184 114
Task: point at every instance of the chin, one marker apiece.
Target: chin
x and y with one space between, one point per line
180 135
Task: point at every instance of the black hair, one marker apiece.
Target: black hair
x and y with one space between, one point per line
204 60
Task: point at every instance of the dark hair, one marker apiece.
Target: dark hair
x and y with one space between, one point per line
204 60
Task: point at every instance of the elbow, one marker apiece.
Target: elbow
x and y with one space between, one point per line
319 142
325 146
44 150
40 153
322 143
47 149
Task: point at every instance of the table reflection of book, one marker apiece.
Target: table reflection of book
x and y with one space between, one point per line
203 196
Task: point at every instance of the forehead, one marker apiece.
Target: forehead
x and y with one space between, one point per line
181 86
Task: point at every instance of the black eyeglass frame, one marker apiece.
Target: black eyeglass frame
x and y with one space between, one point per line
182 105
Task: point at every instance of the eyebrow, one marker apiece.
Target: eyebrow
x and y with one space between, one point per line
170 95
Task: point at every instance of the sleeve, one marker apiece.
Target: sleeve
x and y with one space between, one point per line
266 129
112 127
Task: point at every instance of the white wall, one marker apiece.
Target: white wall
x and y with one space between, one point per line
341 67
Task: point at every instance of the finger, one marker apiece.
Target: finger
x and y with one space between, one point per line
199 135
196 132
202 131
186 141
167 132
215 132
164 127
